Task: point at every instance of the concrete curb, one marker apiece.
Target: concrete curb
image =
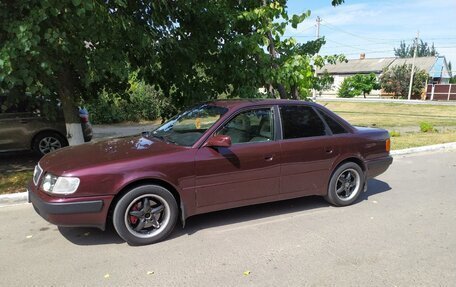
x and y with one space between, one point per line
18 198
13 199
428 148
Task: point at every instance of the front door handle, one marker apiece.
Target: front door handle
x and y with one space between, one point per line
23 121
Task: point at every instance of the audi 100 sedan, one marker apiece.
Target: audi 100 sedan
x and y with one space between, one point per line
213 156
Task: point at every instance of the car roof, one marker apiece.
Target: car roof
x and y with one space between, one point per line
241 103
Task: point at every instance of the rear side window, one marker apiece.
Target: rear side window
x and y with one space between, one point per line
335 127
300 122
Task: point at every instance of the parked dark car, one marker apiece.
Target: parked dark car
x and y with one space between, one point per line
23 126
214 156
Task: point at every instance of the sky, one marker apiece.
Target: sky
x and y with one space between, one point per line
377 27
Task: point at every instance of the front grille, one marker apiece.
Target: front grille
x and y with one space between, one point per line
36 174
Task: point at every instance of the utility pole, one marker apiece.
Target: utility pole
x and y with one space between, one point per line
317 35
413 65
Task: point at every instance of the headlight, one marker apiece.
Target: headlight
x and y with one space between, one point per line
59 184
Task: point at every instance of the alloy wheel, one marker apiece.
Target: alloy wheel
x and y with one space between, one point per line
348 184
48 144
147 215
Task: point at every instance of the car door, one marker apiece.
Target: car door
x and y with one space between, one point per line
15 123
307 151
247 171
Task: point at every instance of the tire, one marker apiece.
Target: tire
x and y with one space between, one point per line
46 142
346 184
145 215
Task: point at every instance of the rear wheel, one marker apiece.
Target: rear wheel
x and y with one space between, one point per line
145 215
48 141
346 184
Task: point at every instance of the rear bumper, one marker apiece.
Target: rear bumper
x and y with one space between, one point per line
89 212
378 166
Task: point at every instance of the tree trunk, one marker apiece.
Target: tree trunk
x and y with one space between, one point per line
294 93
70 110
273 53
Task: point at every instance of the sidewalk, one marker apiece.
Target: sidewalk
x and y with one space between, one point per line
120 130
380 100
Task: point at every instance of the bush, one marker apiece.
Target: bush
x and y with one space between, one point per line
426 127
358 84
142 102
346 90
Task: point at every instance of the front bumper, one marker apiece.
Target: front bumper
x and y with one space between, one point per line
89 212
376 167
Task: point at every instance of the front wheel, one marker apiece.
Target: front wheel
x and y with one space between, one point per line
346 184
145 215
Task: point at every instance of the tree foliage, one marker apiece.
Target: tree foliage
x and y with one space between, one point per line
396 80
69 50
189 51
360 84
323 82
423 50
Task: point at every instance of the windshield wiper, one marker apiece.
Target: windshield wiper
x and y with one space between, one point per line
164 138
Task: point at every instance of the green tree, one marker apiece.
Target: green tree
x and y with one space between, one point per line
396 80
190 51
68 50
423 50
357 85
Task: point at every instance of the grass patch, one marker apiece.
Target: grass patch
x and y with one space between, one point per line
394 134
409 125
15 181
388 115
409 140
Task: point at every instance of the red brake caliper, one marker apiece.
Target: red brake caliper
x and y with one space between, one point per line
134 219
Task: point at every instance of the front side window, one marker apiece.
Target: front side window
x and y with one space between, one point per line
301 122
250 126
187 127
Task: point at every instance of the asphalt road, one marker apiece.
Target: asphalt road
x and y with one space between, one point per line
400 233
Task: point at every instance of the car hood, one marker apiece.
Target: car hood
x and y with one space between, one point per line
116 150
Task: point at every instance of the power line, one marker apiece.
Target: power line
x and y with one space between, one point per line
371 39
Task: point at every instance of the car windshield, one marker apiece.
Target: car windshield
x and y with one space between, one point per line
188 127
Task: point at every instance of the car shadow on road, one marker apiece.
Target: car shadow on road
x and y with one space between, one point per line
261 211
374 186
91 236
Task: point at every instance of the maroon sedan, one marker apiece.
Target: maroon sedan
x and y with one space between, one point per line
214 156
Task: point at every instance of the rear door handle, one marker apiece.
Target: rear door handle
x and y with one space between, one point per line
268 157
329 150
23 121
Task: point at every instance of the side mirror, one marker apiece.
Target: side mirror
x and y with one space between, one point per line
219 141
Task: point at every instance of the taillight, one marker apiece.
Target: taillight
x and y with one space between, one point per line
84 118
388 145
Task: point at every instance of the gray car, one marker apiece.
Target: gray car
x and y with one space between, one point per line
24 127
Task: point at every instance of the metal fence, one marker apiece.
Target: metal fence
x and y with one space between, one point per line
441 92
